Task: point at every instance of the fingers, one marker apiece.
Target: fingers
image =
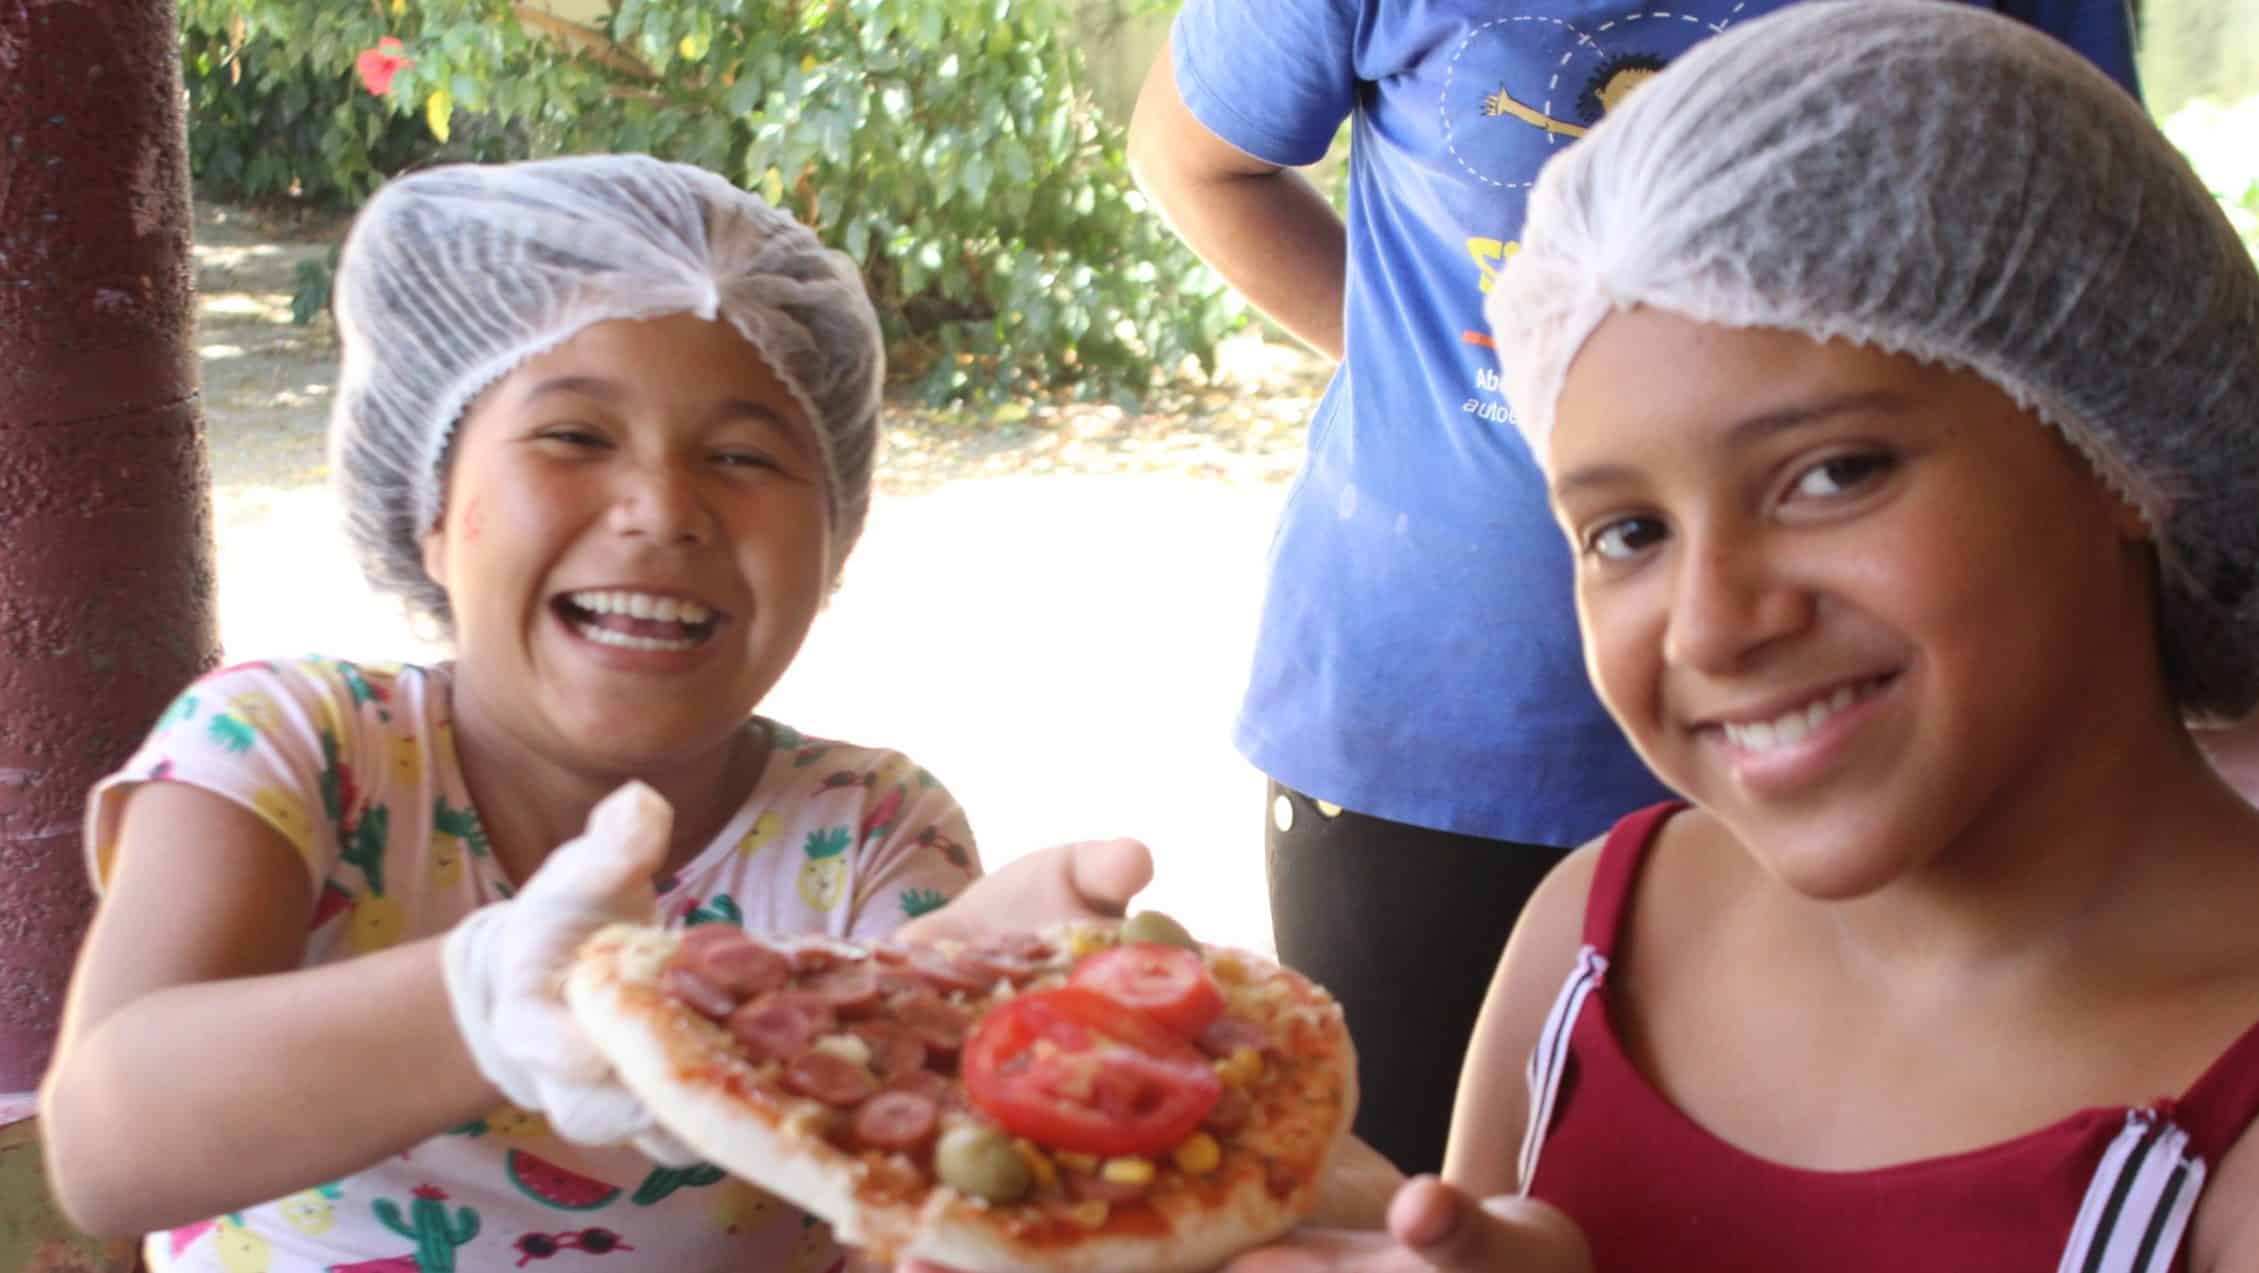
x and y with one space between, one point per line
1106 874
1450 1231
623 847
1329 1251
599 1113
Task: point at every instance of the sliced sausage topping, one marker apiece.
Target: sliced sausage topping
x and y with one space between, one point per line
828 1077
930 1085
849 988
702 995
897 1120
780 1024
895 1048
743 967
938 1023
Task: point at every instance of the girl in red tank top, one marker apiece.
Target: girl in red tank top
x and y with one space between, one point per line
1897 389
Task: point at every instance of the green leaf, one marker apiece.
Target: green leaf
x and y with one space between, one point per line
974 176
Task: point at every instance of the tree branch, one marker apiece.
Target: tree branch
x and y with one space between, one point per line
593 42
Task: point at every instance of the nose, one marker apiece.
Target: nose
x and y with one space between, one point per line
1730 601
659 500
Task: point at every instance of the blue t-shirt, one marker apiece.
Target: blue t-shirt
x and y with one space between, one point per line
1418 657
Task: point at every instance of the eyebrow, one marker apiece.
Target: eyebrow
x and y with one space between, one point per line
1749 432
607 391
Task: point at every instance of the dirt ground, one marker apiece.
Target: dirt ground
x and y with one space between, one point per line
1051 610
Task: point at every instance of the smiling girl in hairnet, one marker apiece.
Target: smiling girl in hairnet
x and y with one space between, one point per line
1897 387
610 422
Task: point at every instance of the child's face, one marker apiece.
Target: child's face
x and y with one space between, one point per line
1848 603
634 543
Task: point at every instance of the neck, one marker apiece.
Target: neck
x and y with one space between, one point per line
531 801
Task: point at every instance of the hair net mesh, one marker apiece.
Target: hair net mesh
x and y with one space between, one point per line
1931 179
453 276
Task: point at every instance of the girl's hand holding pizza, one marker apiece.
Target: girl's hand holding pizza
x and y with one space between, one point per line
1089 879
1432 1225
505 968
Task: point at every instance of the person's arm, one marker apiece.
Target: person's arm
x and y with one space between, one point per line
1260 225
199 1070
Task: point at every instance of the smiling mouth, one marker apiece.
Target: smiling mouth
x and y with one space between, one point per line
1793 726
638 620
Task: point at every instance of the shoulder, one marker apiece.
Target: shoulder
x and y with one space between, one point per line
322 690
804 763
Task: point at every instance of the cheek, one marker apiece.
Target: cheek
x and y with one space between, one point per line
1623 650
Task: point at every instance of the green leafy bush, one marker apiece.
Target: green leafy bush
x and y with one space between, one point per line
275 112
947 145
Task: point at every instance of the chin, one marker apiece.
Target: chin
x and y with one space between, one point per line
1829 859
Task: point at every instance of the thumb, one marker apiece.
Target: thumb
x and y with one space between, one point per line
1450 1231
623 847
1106 874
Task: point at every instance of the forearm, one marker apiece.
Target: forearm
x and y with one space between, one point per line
1273 237
200 1099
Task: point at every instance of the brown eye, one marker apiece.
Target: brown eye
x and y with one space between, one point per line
1624 538
1840 474
572 435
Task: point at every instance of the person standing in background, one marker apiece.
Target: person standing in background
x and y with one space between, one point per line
1418 697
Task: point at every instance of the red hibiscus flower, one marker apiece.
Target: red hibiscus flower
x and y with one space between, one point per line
377 66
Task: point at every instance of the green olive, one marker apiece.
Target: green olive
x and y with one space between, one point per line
981 1161
1153 926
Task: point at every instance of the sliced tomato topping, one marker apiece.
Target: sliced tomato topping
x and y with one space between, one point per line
1073 1069
1168 983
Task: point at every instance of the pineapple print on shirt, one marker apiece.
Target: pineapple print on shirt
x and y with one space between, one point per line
823 877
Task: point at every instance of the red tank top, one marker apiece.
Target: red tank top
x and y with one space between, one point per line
2102 1191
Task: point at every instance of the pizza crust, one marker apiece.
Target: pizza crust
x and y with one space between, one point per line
734 1114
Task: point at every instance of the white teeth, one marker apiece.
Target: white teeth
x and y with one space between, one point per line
1791 727
605 636
641 605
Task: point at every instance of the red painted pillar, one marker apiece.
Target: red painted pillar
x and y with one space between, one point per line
105 516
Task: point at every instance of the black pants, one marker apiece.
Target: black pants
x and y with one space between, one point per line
1405 926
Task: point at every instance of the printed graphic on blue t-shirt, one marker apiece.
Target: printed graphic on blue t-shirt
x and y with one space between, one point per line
1418 657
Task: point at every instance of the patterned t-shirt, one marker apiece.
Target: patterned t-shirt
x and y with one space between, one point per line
356 767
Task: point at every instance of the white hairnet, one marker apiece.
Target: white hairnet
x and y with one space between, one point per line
1931 179
453 276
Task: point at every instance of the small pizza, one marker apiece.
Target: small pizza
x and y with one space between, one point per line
1075 1101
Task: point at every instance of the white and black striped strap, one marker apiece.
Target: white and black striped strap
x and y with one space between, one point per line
1551 1055
2138 1205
